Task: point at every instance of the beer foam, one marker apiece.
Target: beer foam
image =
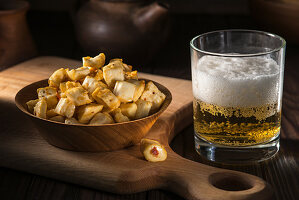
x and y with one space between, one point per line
236 81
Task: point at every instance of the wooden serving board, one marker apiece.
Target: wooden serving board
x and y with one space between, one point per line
123 171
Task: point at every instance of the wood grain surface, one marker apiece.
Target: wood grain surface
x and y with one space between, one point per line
123 171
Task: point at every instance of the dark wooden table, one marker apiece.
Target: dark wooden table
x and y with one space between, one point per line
54 36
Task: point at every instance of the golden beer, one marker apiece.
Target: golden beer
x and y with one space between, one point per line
236 126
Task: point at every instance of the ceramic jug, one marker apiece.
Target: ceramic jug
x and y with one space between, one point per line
16 43
134 30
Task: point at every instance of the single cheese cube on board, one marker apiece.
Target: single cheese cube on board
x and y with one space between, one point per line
124 91
65 107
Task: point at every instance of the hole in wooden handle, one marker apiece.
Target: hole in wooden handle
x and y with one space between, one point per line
230 181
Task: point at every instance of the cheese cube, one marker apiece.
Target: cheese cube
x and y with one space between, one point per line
51 113
78 95
31 104
95 62
58 118
49 94
65 107
119 117
86 112
124 91
79 73
101 118
106 97
143 108
153 94
40 109
140 85
99 75
71 121
91 84
131 75
113 73
57 77
68 85
119 62
129 109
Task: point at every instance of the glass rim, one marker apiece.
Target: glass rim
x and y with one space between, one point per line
239 55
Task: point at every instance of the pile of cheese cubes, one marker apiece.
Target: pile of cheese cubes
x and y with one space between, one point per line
96 94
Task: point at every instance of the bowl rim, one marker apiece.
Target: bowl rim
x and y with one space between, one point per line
163 107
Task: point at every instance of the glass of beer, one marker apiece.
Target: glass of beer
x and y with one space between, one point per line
237 82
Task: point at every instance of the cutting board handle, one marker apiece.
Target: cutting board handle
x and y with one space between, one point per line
195 181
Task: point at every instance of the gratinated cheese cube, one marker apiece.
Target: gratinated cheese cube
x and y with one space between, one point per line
40 109
68 85
140 85
153 94
57 77
30 104
62 87
95 62
86 112
65 107
129 109
101 118
91 84
71 121
113 73
99 75
106 97
51 113
124 91
58 118
78 95
79 73
119 62
119 117
50 95
143 108
131 75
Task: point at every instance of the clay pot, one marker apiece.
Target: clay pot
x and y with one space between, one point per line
16 43
133 30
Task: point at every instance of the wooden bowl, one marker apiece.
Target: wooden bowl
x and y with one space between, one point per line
277 16
89 138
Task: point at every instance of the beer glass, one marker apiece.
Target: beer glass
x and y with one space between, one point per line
237 82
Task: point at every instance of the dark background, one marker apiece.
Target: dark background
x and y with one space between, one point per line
52 28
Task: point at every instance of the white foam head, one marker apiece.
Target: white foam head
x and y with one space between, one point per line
236 81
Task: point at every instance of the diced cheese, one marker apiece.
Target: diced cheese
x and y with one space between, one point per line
65 107
124 91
